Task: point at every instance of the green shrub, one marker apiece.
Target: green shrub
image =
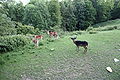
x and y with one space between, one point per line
93 32
109 28
41 43
2 61
77 33
90 28
50 40
7 27
7 31
74 33
4 48
118 28
27 30
8 43
115 27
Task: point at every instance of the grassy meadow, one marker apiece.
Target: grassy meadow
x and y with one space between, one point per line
30 50
64 62
108 23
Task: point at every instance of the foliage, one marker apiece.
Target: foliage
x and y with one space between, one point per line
12 42
14 10
50 40
90 13
2 61
7 26
118 28
76 33
27 30
116 10
79 13
103 8
37 14
85 14
93 32
68 16
55 15
90 28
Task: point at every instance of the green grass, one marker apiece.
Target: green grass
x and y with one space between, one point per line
64 63
105 26
108 23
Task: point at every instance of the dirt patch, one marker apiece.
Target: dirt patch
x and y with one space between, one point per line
72 69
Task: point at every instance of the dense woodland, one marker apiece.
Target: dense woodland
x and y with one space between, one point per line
68 15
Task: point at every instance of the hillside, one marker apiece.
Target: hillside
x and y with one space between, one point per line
108 23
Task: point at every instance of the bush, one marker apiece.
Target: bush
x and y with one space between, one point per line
109 28
77 33
2 61
118 28
9 43
7 27
74 33
27 30
50 40
41 43
7 31
90 28
93 32
115 27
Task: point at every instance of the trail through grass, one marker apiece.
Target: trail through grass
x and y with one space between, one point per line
64 63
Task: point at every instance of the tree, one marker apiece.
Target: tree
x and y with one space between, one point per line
116 10
37 14
85 14
55 15
79 13
7 26
68 16
14 10
19 8
90 13
103 8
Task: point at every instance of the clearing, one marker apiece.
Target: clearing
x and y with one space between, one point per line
64 63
